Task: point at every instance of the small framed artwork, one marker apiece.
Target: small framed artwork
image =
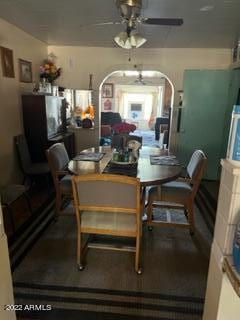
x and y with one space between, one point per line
7 62
25 71
107 90
107 104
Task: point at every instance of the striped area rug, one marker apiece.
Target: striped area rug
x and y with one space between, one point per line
172 285
82 303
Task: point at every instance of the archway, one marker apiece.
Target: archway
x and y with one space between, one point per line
146 94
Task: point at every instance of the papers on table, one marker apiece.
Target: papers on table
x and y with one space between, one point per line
89 156
164 160
130 171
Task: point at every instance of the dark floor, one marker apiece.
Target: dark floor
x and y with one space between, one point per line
212 187
39 195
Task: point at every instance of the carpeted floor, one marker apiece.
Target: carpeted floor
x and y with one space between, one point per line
172 285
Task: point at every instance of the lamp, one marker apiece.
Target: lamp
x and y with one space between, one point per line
128 41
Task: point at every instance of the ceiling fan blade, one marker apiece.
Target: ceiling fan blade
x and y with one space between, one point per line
163 21
101 24
107 23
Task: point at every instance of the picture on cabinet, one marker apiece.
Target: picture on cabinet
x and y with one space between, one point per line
25 71
7 62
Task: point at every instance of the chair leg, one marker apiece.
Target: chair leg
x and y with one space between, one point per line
79 252
150 212
138 269
58 204
191 218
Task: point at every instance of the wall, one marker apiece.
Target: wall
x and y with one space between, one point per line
27 48
79 62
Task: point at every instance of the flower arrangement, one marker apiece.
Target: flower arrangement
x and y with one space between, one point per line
89 112
49 70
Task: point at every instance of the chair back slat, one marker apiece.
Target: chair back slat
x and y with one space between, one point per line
195 164
106 194
57 157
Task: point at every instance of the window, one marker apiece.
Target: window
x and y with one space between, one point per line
136 106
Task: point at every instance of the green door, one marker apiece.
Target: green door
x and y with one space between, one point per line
205 103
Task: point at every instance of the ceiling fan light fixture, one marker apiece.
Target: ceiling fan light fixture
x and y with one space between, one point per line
122 39
137 40
126 41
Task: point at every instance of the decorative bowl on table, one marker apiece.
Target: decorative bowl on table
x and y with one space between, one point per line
123 160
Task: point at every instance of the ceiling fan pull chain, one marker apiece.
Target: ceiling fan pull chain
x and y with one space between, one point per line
129 55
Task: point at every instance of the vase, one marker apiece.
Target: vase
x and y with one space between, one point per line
44 86
54 90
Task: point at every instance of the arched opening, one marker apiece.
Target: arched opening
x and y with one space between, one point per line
142 97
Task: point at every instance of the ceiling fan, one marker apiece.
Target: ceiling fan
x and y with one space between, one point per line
130 11
131 17
140 80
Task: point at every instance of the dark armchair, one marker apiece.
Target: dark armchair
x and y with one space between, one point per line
112 124
110 118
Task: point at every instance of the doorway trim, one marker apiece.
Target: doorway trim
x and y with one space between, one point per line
114 70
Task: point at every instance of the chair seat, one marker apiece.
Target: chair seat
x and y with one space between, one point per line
174 189
11 193
38 168
66 184
124 222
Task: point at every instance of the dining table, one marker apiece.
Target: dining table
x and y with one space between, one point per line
148 174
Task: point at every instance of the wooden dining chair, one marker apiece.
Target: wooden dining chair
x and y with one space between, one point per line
58 160
107 204
178 194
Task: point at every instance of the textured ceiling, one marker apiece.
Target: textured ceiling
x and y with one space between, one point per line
207 24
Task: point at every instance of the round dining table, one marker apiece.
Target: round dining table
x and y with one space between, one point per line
148 174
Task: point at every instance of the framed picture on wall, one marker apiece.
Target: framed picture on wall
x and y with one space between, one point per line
107 90
107 104
7 62
25 71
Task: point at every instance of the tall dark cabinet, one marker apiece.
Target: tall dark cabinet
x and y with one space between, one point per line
45 124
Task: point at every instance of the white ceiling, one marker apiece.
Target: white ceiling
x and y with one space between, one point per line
68 22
